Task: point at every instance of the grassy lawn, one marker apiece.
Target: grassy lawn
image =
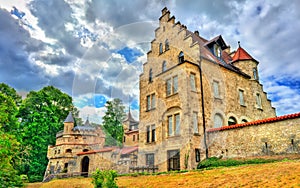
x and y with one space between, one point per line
278 174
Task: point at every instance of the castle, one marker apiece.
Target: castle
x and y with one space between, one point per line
197 99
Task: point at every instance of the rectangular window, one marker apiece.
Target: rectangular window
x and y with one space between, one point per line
241 96
258 100
148 134
195 122
169 87
197 155
133 138
152 101
150 159
177 124
255 76
148 102
153 133
216 89
173 160
124 139
170 125
193 82
175 84
138 137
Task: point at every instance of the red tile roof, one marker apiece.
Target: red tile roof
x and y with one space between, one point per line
241 54
257 122
97 151
129 150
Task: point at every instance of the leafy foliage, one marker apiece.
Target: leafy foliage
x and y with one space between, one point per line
11 92
216 162
104 179
8 112
42 114
112 122
9 148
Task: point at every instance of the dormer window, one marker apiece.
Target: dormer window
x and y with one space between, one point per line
217 50
181 57
167 45
160 48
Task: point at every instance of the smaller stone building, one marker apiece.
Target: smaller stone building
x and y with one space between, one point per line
80 150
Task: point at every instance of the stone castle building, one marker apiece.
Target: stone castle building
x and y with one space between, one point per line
198 99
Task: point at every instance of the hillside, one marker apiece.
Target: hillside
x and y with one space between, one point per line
279 174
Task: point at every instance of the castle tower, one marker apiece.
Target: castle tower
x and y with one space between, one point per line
245 62
68 124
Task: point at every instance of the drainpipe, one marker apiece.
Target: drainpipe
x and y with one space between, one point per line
202 105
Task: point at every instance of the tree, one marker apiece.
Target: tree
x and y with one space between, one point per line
11 92
9 146
42 114
112 122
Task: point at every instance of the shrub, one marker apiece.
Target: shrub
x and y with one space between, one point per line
216 162
104 179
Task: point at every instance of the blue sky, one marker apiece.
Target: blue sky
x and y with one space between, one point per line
94 49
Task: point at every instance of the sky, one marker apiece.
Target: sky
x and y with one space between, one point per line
94 50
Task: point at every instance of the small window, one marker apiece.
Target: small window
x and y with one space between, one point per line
195 122
148 102
55 152
148 134
138 137
164 66
193 82
160 48
181 57
150 159
152 101
58 151
85 150
218 121
255 75
241 96
216 89
197 155
169 87
232 121
133 137
68 151
258 100
124 139
170 125
167 45
177 124
150 75
217 50
153 133
175 84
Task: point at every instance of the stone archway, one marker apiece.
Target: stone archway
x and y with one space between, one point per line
85 166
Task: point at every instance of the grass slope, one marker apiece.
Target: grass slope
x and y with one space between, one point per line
278 174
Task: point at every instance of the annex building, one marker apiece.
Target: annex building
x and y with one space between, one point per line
198 98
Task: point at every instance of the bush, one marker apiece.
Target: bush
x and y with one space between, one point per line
216 162
104 179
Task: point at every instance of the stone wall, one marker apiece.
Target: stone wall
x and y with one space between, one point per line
280 137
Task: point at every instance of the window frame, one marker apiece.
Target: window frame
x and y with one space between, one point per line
241 97
221 118
195 123
161 48
197 155
193 82
150 159
258 100
216 89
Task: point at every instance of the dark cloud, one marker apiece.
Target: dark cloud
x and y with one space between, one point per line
52 17
118 13
16 44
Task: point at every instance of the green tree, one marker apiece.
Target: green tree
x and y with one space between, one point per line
9 91
112 122
42 114
9 146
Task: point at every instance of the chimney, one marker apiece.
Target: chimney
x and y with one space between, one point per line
196 33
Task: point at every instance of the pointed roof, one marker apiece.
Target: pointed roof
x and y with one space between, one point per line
69 118
242 54
130 118
87 122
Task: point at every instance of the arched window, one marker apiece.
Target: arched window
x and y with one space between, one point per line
85 150
164 66
167 47
160 48
181 57
244 121
218 121
232 121
68 151
150 75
